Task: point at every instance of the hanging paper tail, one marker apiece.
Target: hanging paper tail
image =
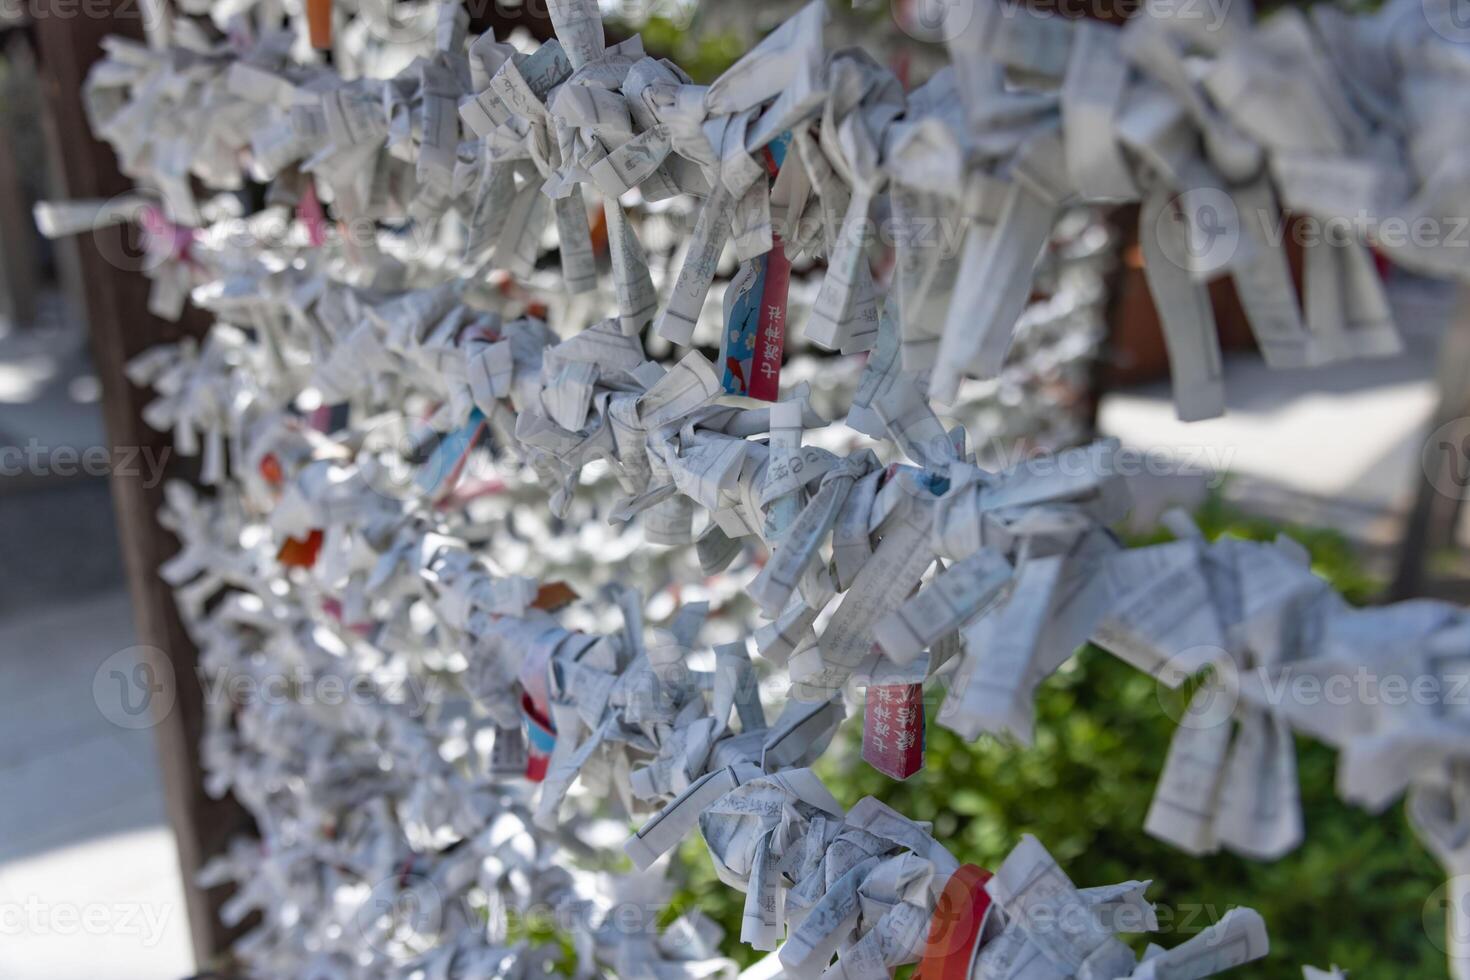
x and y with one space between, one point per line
755 326
765 377
542 738
439 474
309 211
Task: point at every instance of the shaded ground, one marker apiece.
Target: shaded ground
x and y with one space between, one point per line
60 544
89 879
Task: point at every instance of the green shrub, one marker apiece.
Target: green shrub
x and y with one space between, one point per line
1352 894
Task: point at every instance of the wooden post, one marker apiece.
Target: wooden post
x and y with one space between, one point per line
1441 493
116 305
18 271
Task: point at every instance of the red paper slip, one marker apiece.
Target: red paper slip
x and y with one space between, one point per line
893 729
954 930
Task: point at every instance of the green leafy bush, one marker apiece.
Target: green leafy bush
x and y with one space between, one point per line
1353 894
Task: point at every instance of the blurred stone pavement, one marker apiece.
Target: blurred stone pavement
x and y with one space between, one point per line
89 880
1337 446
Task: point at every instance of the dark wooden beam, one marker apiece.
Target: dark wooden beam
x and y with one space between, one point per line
116 303
18 269
1439 472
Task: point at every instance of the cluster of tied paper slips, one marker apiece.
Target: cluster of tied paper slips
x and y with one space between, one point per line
891 573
